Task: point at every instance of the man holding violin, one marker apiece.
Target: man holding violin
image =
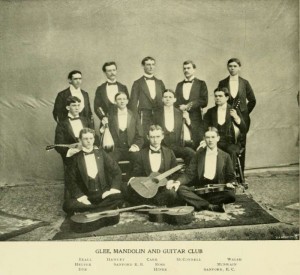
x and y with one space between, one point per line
209 166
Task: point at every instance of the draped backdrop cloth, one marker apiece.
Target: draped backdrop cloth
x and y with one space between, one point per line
39 46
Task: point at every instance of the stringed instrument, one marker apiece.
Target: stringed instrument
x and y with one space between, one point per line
174 215
88 222
147 187
210 188
73 145
106 141
236 129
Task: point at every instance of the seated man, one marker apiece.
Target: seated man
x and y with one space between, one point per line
155 158
171 120
93 179
209 166
228 121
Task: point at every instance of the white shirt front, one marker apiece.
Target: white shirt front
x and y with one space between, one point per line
186 89
210 165
169 118
234 85
155 159
222 114
76 125
78 93
122 119
111 91
151 86
91 164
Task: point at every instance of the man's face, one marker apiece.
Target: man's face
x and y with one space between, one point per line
149 67
155 137
188 70
211 139
168 99
73 109
87 140
122 101
76 80
220 98
111 72
233 68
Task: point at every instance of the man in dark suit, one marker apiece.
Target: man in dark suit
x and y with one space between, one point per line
93 179
105 93
209 166
59 111
240 90
67 131
126 130
146 94
192 96
171 120
228 121
155 158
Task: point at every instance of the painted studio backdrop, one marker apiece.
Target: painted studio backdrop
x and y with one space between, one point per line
41 41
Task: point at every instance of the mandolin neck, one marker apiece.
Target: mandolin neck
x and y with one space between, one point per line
169 172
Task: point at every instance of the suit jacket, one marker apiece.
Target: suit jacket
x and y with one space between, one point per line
142 167
140 98
60 112
224 169
159 118
134 128
198 96
211 120
109 174
64 134
245 93
101 99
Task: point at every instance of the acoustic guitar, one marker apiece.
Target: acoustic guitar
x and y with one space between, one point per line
88 222
175 215
147 187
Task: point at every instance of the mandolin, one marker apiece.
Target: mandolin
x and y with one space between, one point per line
50 147
147 187
87 222
107 141
237 131
175 215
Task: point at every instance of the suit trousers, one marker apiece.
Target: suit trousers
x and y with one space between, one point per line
186 153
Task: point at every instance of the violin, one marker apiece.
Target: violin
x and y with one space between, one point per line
175 215
147 187
210 188
88 222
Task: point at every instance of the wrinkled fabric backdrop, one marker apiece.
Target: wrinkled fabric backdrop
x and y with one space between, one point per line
42 41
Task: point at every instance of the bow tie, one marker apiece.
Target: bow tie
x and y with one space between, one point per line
109 83
188 81
155 152
149 78
74 118
88 153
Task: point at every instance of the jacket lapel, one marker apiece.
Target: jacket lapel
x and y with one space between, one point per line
130 127
70 130
220 165
82 168
146 89
201 163
146 161
100 166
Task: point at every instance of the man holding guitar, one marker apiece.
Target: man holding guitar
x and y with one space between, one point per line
209 166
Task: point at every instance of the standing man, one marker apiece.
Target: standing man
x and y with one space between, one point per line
209 166
171 120
146 94
241 90
105 93
93 179
192 96
59 111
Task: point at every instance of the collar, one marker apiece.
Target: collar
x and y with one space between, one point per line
122 112
109 81
148 75
223 107
155 149
234 78
192 78
212 152
73 89
86 150
71 116
168 109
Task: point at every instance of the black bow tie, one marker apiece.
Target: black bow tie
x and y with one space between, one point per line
109 83
188 81
149 78
155 152
88 153
74 118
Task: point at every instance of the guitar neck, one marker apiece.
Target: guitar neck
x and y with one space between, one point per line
169 172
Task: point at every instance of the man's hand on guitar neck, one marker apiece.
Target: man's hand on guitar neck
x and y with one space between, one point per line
235 116
173 184
230 185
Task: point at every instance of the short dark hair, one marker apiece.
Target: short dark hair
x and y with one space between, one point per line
106 64
154 128
146 59
73 72
234 59
212 129
72 99
85 131
224 90
189 62
169 91
120 93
